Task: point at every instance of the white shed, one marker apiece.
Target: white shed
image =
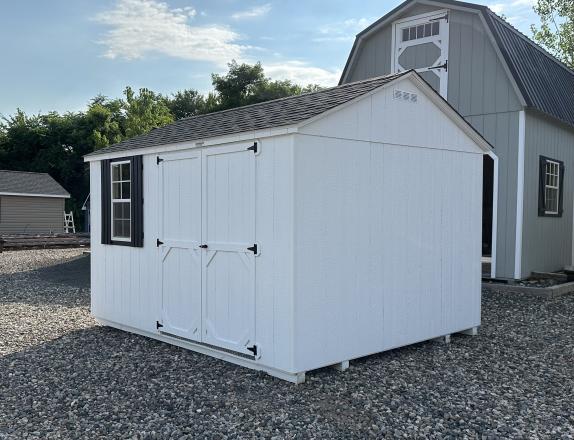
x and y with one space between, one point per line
297 233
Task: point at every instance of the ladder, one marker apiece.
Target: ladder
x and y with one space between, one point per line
69 223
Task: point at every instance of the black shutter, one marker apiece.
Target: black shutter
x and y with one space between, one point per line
561 189
106 229
137 201
541 186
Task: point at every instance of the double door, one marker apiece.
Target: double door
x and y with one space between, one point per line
206 246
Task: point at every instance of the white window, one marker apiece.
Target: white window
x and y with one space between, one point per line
551 187
421 31
121 201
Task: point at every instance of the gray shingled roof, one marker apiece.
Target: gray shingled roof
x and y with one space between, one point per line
23 182
545 83
276 113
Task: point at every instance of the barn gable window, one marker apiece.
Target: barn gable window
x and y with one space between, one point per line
550 191
420 31
122 201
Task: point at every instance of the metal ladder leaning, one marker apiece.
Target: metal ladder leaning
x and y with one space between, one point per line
69 223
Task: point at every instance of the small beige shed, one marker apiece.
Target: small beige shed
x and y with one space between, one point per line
31 203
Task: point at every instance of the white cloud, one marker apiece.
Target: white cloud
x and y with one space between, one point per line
142 27
258 11
342 30
497 8
302 73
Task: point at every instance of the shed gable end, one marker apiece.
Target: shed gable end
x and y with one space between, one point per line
401 114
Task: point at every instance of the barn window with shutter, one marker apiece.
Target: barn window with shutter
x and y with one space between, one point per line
122 201
550 187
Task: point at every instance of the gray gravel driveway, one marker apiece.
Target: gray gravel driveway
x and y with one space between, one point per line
62 376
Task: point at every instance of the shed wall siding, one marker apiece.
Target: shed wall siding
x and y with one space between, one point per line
20 215
547 241
408 268
125 280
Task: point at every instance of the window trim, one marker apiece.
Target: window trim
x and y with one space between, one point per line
554 166
542 186
112 200
137 200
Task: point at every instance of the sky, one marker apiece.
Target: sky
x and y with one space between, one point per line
58 54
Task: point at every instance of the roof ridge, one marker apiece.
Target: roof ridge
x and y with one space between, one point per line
528 40
284 98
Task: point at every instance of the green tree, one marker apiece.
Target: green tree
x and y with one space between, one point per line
246 84
105 121
556 31
144 111
186 103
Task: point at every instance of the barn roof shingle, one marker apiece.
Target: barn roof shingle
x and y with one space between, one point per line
276 113
34 184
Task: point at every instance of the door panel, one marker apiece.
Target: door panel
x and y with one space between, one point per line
228 230
421 43
180 232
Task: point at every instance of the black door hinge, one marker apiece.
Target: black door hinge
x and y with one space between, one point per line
253 248
158 242
442 66
253 349
158 325
158 160
253 147
444 17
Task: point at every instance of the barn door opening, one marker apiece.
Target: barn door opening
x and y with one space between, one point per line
229 258
179 243
421 43
489 214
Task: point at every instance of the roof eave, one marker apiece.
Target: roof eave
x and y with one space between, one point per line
196 143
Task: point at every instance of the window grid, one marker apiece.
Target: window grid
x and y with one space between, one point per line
552 187
421 31
121 200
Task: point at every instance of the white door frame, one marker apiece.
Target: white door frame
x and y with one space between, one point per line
444 36
494 214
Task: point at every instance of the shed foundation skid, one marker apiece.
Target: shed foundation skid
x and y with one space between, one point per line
295 378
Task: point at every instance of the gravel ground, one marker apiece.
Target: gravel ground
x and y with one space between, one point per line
61 376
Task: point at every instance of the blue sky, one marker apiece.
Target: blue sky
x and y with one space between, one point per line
58 54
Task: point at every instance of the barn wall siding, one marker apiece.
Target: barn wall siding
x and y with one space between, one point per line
125 280
20 215
547 241
477 81
501 130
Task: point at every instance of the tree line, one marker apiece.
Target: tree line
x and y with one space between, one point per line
55 143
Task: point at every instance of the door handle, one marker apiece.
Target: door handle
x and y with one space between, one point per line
203 246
